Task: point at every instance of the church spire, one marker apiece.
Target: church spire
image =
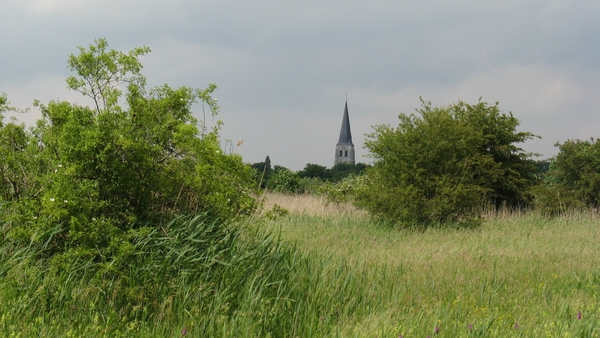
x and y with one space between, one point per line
345 132
344 149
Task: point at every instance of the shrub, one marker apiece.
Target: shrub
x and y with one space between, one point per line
573 178
284 180
444 163
100 172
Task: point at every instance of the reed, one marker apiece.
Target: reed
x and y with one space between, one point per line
319 271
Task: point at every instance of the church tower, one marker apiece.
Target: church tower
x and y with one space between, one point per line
344 149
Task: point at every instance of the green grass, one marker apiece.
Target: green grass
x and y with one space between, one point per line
331 273
518 275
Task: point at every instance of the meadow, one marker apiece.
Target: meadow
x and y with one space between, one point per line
322 270
519 275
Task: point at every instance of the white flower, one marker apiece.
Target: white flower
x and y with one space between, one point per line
93 218
51 199
66 201
60 165
55 170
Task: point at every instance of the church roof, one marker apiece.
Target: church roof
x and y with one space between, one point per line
346 133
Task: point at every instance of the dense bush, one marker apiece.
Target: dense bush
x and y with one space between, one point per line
101 172
444 163
573 178
284 180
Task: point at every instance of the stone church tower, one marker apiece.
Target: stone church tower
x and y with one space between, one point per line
344 149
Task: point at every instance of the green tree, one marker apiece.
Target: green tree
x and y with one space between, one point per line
342 170
573 177
109 170
262 172
312 170
284 180
444 163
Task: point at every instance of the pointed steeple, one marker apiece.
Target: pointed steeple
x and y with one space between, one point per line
344 149
345 132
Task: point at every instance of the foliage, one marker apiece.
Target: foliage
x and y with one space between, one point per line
99 173
262 172
318 171
573 178
441 165
347 190
284 180
342 170
309 185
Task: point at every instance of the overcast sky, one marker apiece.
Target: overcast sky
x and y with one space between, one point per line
283 68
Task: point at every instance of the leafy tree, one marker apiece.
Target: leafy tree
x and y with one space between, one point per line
573 178
284 180
442 164
262 172
342 170
312 170
98 173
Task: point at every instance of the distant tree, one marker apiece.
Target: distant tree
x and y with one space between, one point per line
343 170
312 170
284 180
573 178
263 172
442 164
543 166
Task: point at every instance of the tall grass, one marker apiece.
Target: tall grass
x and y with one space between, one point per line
520 274
321 271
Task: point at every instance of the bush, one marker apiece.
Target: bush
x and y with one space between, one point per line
444 163
100 172
284 180
573 178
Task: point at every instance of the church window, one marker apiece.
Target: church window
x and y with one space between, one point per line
346 153
340 153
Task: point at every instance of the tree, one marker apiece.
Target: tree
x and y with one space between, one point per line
109 170
444 163
573 177
342 170
284 180
312 170
262 172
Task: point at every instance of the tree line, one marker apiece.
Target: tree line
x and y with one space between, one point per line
308 180
112 167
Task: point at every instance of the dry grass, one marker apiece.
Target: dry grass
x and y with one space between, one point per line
309 205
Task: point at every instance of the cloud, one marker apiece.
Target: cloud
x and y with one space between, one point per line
284 68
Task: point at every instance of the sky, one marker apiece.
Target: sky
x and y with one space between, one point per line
284 68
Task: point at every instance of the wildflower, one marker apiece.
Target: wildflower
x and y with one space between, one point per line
516 325
66 201
184 331
60 165
470 326
578 315
51 199
437 329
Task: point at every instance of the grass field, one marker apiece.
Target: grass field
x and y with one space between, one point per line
333 273
517 275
